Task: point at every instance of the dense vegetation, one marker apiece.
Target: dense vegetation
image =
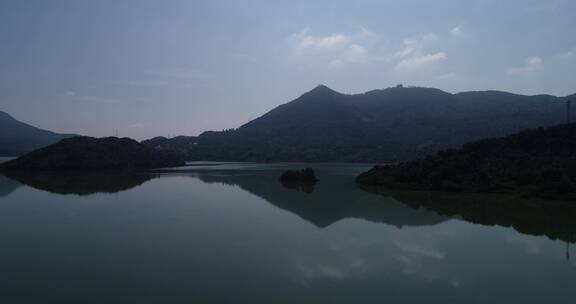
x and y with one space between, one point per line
539 162
17 138
87 153
389 125
304 175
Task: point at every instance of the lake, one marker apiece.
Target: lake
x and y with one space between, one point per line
231 233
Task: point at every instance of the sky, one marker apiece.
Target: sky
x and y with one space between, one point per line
168 67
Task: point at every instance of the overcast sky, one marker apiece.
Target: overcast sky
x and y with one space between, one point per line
167 68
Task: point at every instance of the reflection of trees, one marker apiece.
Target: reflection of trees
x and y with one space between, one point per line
554 219
82 183
329 201
306 187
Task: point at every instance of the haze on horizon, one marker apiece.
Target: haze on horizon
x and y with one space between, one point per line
151 68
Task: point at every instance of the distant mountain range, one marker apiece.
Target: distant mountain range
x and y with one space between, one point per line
18 138
388 125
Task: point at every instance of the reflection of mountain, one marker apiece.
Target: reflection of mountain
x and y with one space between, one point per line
553 219
333 199
7 186
82 183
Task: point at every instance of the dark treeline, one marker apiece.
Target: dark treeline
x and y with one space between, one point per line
538 162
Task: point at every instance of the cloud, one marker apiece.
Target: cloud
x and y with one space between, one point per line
333 50
338 50
136 125
354 53
366 32
416 53
180 73
170 78
419 61
303 42
73 96
457 31
145 83
421 41
568 54
533 64
243 57
448 76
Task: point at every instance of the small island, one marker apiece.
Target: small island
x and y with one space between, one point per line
94 154
305 175
538 162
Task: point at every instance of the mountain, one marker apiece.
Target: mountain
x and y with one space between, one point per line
387 125
539 162
84 153
17 138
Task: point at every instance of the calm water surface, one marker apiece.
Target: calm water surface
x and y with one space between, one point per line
231 233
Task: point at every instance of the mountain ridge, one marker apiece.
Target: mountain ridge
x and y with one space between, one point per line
18 138
384 125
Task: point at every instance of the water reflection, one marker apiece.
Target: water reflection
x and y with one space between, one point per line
188 236
337 198
76 183
7 186
334 199
554 219
305 187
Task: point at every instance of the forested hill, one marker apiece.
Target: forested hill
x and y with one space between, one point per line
387 125
540 162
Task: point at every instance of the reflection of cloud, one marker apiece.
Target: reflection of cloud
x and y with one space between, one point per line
324 272
414 266
419 257
346 267
455 282
336 264
532 246
419 249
